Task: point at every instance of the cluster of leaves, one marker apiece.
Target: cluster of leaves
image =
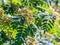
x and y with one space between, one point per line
13 5
44 20
10 8
20 29
17 23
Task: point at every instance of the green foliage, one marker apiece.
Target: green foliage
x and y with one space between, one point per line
55 31
44 20
16 29
10 8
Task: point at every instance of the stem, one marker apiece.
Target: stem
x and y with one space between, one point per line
35 26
